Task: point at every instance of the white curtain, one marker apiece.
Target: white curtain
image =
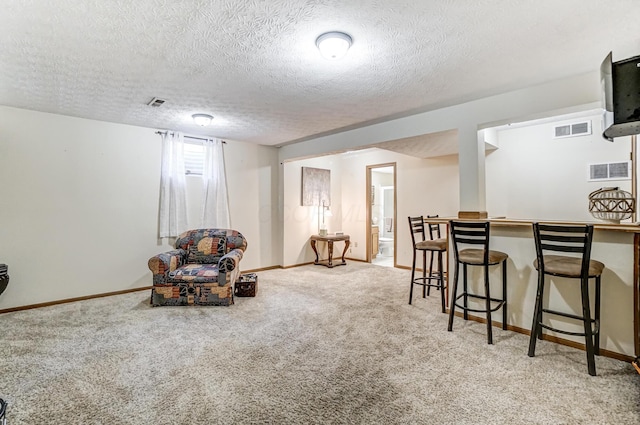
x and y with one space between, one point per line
173 198
215 205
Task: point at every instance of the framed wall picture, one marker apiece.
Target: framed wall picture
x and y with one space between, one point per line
316 186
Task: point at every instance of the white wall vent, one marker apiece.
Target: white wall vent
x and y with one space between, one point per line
571 130
155 102
610 171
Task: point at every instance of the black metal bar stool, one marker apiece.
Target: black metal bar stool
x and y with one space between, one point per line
476 233
574 239
436 245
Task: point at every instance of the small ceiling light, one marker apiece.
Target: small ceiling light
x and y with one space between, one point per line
334 45
202 120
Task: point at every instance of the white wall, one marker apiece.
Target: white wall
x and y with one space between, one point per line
534 176
79 205
424 187
300 222
252 180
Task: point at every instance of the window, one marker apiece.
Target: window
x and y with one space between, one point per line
193 156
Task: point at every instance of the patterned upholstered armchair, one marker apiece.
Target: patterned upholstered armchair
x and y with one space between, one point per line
201 270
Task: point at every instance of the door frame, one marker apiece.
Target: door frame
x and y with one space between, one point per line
395 209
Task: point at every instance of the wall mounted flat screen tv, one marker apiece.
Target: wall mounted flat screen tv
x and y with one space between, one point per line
621 96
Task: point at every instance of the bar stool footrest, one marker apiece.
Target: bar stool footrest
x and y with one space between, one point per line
596 323
433 275
423 281
563 314
433 285
595 331
501 303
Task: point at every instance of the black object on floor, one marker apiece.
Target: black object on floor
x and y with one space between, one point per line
4 278
3 411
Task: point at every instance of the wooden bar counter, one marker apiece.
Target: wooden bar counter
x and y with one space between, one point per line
616 245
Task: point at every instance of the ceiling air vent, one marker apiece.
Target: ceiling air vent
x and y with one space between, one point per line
155 102
610 171
572 130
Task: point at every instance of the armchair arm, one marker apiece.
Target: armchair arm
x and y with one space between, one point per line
161 264
230 261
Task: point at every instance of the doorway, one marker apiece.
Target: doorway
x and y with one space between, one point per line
381 214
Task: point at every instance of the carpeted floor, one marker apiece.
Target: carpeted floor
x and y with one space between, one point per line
316 346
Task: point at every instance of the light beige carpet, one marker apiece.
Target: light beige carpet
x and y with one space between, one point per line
316 346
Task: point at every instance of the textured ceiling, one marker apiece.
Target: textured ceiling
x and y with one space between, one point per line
425 146
254 66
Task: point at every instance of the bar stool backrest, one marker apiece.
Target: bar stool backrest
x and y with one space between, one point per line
560 238
416 226
434 228
470 233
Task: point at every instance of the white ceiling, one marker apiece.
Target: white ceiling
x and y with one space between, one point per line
254 66
425 146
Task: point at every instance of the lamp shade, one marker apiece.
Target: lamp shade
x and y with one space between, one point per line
333 45
202 120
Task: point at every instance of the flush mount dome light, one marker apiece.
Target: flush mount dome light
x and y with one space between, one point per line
202 120
334 45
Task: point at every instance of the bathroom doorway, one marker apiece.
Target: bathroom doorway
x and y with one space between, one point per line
381 214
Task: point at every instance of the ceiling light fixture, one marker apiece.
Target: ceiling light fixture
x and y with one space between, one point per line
334 45
202 120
